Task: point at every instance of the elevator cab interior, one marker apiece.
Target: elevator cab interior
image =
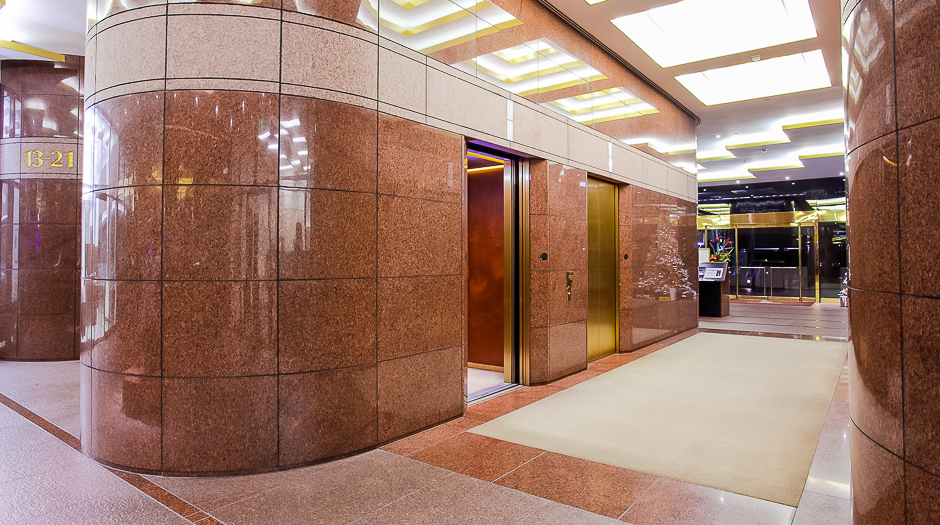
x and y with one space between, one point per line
492 296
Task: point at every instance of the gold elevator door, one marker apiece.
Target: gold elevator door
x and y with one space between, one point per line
603 277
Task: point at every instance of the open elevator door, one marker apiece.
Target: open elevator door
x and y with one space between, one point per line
493 298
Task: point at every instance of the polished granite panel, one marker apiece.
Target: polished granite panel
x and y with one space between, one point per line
877 483
126 420
917 49
326 414
418 314
418 237
872 188
48 201
344 11
538 243
224 425
540 296
215 137
219 232
568 241
46 337
567 348
319 58
922 496
121 326
47 292
419 161
50 246
219 329
918 154
420 390
875 364
327 234
870 97
8 340
344 333
122 233
921 367
125 141
538 187
329 145
563 309
567 192
206 45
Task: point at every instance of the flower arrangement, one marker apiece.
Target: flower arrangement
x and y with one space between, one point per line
720 250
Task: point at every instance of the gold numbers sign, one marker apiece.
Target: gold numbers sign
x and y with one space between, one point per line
55 158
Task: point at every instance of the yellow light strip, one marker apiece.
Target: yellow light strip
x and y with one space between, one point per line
620 117
822 155
409 4
527 76
30 50
771 142
679 152
472 36
814 124
595 108
720 157
715 178
484 157
775 168
525 58
556 87
488 168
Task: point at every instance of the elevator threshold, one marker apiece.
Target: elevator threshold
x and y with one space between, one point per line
489 393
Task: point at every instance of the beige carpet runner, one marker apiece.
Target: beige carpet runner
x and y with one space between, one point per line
737 413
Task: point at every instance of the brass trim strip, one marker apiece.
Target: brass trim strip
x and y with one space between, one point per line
524 287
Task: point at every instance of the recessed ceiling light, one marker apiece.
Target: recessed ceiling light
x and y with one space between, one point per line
695 30
788 178
776 76
717 136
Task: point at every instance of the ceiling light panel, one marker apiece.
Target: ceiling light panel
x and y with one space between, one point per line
538 66
775 76
601 106
694 30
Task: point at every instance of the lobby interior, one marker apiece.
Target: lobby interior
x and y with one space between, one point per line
389 261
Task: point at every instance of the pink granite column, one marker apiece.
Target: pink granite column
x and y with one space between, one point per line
892 115
558 226
273 269
40 177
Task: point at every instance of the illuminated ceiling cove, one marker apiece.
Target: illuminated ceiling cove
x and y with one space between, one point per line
432 25
42 29
601 106
534 67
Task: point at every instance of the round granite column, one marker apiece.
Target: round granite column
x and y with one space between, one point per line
272 268
40 177
892 125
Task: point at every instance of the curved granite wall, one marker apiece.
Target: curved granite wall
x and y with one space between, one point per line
892 121
274 229
40 180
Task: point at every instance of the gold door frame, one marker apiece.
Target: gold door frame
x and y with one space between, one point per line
775 220
602 204
516 179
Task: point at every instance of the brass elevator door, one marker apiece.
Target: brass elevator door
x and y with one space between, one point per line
603 276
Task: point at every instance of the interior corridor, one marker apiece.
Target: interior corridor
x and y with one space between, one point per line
442 475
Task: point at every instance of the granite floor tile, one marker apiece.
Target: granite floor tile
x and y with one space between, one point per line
340 494
27 450
80 493
477 456
557 514
432 436
461 499
817 509
679 503
595 487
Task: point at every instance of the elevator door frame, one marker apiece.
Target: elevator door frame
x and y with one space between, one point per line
516 271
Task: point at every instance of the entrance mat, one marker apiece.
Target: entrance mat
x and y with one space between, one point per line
736 413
